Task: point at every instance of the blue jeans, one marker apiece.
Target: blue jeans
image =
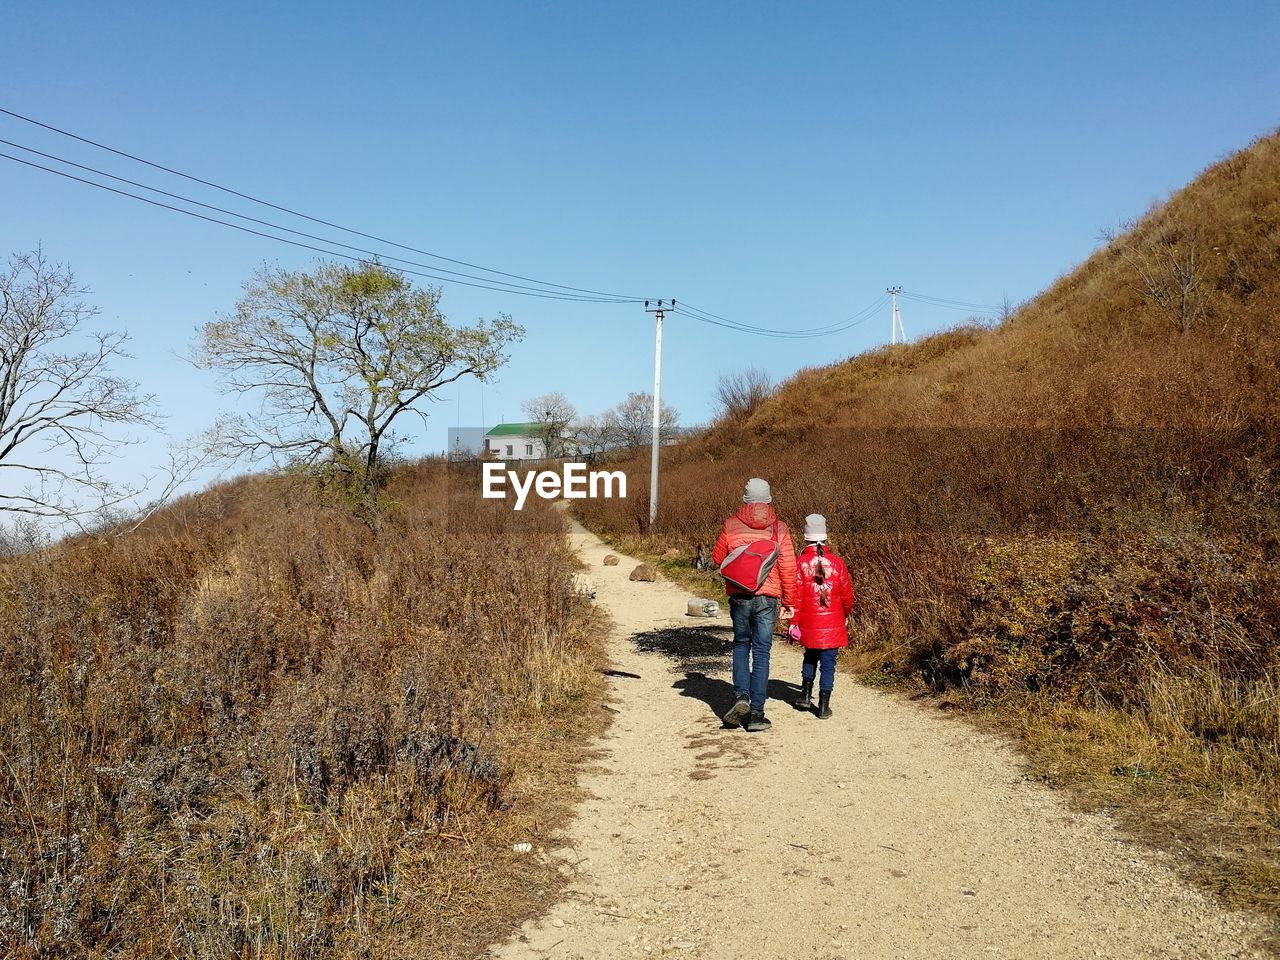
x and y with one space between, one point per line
753 619
827 659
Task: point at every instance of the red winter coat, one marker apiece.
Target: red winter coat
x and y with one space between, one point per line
752 522
821 610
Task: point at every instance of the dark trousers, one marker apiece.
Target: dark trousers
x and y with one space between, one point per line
826 659
753 619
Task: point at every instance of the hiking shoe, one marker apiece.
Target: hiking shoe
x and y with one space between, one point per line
737 713
757 722
824 704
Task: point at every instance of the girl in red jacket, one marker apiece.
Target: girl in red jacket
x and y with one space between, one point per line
824 599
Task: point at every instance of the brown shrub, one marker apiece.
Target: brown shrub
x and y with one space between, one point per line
250 727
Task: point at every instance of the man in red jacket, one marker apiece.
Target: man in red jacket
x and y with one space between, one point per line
754 614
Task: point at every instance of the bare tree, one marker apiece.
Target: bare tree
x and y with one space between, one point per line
336 357
633 420
1007 309
61 407
739 394
1166 258
554 416
25 535
595 434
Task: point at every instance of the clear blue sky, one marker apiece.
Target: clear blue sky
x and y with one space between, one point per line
777 163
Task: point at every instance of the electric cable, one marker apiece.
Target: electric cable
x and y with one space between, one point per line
514 287
297 243
858 318
305 216
530 286
947 302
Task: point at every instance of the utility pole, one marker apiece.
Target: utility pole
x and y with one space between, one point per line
659 312
896 333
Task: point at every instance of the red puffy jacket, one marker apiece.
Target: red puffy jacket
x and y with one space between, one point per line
752 522
821 610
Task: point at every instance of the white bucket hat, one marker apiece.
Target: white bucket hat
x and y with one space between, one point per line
815 528
757 491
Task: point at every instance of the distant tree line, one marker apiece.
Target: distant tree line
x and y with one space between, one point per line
564 432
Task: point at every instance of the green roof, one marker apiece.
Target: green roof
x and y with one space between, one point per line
513 430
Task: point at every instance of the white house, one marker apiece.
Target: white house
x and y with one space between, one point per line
515 441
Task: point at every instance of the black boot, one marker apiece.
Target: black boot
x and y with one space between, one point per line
824 704
806 696
757 722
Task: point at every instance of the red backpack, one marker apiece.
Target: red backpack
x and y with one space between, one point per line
747 567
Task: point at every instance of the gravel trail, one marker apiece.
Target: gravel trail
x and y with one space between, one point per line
886 831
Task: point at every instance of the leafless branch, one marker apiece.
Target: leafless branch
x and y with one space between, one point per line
61 407
1165 257
739 394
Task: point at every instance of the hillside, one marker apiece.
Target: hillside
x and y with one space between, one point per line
1068 521
256 727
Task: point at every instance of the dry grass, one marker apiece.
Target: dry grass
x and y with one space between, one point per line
256 728
1195 773
1067 522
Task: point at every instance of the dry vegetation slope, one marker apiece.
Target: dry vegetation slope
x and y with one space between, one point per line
1072 524
255 728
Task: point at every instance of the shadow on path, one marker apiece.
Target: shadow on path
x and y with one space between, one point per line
700 650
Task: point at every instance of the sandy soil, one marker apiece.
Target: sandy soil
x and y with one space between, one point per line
889 830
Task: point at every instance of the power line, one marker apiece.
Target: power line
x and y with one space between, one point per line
496 286
513 287
297 243
540 289
839 327
947 302
825 328
927 296
305 216
851 322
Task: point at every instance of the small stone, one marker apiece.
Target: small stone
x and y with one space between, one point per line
644 573
698 607
557 922
610 560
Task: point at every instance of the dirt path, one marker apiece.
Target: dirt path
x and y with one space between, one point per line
886 831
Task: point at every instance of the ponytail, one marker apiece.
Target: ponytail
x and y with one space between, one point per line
820 577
